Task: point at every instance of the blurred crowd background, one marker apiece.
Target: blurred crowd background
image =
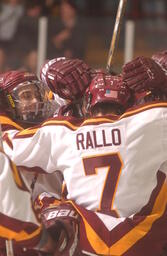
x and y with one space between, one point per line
77 28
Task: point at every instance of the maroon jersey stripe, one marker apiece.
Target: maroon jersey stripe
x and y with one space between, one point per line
110 237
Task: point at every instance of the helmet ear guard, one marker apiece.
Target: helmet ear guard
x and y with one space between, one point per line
7 104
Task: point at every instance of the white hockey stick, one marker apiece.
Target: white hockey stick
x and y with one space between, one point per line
116 33
88 253
9 248
1 141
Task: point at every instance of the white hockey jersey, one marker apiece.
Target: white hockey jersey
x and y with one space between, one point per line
114 167
17 219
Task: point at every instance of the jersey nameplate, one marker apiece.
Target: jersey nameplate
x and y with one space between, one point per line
104 137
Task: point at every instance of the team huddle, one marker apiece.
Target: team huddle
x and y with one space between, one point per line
83 161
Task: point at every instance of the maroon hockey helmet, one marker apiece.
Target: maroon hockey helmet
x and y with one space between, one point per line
106 89
24 97
68 78
161 59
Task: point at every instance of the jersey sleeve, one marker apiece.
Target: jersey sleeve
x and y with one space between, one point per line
31 150
17 218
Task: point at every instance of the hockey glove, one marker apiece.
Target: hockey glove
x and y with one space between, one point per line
161 59
143 74
62 224
69 78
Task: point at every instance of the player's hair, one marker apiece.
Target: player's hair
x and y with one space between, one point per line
106 108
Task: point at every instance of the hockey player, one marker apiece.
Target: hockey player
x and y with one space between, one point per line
107 95
120 198
26 103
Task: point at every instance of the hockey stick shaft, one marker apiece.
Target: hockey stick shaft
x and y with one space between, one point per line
9 248
116 33
1 140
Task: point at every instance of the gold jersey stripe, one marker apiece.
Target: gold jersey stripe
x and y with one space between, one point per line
140 109
134 235
18 236
8 121
142 228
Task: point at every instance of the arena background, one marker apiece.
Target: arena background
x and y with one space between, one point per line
34 30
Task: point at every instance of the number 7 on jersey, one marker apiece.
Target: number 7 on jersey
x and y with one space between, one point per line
113 163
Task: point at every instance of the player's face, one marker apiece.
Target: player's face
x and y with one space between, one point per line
31 102
28 97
